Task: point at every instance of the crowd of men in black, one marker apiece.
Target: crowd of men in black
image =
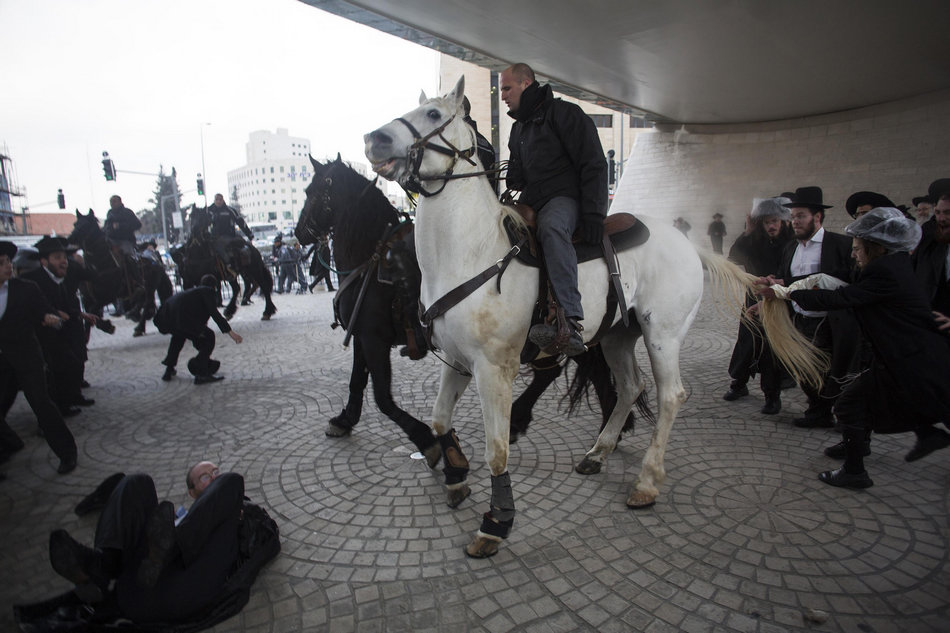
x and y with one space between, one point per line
885 328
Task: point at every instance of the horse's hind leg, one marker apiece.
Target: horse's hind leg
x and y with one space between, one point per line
455 464
342 425
521 409
267 286
664 358
232 304
376 353
619 353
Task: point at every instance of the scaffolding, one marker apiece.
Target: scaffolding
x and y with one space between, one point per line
9 191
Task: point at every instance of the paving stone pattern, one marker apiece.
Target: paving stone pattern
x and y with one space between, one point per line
743 537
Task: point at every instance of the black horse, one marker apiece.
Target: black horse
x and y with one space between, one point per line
197 258
342 202
135 282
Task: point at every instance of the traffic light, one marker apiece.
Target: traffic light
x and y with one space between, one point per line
108 168
60 199
201 185
611 167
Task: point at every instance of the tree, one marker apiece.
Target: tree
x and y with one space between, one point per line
166 185
234 200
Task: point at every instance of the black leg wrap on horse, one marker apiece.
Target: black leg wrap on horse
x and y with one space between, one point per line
495 527
456 464
502 499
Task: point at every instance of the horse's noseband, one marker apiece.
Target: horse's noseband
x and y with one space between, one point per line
420 145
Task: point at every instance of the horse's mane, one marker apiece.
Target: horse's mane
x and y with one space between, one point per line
360 215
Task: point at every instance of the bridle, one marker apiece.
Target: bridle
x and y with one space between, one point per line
413 182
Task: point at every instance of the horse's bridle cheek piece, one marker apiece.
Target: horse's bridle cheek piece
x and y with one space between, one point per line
413 181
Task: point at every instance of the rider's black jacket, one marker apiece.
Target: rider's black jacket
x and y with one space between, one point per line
555 151
223 219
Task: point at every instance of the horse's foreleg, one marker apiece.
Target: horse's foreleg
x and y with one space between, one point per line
267 286
521 410
343 424
494 391
455 464
619 353
376 353
664 358
232 304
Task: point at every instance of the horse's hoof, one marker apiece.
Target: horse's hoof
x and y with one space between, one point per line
266 317
456 495
433 454
588 467
639 500
138 333
337 431
482 546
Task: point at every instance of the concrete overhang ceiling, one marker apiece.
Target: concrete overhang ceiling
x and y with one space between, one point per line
691 61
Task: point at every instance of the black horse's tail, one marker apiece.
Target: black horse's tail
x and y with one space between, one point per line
592 370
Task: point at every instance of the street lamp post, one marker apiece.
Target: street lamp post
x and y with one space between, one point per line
201 131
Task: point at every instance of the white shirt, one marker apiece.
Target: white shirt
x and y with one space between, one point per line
4 295
807 261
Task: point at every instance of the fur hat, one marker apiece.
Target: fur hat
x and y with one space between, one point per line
764 207
888 227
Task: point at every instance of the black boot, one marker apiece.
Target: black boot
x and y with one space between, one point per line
773 404
852 474
929 439
736 390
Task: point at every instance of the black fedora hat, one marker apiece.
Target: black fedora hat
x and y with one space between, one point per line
49 245
920 199
808 197
862 198
8 248
937 189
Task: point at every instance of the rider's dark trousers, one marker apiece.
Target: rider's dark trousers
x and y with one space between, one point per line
203 342
22 367
557 221
207 547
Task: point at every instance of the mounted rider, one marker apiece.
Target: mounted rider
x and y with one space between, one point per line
223 220
120 228
558 164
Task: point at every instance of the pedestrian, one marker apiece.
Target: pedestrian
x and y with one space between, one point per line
185 316
716 231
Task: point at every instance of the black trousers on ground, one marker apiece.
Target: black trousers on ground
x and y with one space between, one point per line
24 369
818 330
207 540
752 354
203 342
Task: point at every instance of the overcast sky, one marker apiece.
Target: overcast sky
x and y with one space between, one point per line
139 78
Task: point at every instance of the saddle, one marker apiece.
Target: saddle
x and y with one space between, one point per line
622 231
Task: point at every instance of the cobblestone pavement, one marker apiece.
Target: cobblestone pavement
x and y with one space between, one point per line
743 537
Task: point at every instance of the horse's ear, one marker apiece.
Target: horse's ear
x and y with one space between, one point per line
314 162
457 94
422 97
91 213
339 159
78 215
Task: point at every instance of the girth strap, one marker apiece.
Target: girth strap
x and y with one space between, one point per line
615 295
454 297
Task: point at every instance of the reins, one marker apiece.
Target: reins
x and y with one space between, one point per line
420 145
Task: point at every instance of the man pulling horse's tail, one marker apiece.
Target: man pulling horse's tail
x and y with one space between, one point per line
223 221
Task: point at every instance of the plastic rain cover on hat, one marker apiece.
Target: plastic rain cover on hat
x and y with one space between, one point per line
888 227
762 207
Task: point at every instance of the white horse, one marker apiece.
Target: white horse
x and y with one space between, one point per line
459 234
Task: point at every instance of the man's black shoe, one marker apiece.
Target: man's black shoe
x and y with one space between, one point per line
544 334
735 392
816 422
85 384
772 405
927 444
79 565
97 500
170 373
66 466
842 479
83 401
160 536
204 380
68 412
838 451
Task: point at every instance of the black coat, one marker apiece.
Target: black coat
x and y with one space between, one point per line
189 310
26 307
63 298
929 261
835 261
223 220
556 151
910 355
758 253
121 224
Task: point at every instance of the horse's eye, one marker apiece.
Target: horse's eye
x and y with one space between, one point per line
434 114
